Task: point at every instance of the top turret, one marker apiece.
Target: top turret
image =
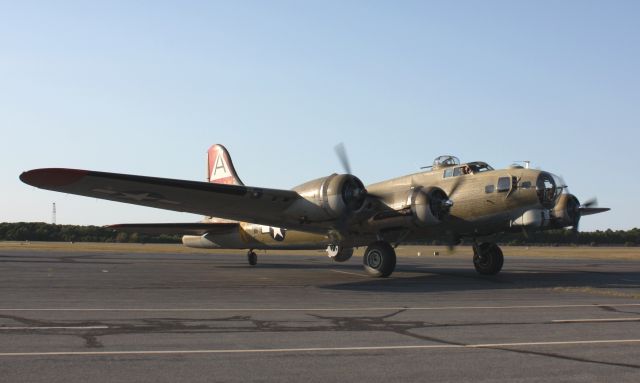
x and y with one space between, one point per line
445 161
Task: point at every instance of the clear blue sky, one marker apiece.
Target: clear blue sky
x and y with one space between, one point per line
146 87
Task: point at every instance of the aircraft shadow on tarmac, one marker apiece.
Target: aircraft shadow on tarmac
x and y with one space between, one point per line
440 279
424 278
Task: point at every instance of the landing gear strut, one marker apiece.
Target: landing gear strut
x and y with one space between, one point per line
487 258
379 259
252 257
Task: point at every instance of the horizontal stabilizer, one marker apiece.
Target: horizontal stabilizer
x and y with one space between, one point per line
198 228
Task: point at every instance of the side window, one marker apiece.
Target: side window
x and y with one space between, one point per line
525 185
504 184
448 173
489 189
457 172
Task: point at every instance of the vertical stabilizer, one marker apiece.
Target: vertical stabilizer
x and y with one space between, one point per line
220 169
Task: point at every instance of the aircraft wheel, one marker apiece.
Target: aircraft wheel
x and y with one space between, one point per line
488 258
252 257
379 259
339 253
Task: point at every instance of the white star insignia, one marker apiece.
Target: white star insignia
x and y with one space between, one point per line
277 233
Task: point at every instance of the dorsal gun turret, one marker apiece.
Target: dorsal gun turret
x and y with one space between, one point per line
445 162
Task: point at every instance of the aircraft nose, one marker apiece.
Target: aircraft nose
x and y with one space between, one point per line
549 187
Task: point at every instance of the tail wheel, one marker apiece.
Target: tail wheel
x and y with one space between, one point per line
379 259
488 258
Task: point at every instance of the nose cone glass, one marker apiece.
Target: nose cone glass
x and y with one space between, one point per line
549 187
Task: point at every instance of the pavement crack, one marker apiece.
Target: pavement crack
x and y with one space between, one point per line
566 357
617 310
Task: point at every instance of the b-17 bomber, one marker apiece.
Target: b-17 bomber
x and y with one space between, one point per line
447 201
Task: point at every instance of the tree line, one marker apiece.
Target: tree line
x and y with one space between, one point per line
40 231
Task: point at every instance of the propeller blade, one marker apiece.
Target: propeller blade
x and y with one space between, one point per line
341 152
575 228
593 202
455 186
593 210
452 241
374 196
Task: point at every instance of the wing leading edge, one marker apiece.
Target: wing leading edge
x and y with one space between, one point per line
234 202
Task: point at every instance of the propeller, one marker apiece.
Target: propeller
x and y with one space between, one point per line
448 202
341 152
577 210
573 211
354 193
456 185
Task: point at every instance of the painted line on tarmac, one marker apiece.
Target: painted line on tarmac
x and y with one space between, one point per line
267 309
319 349
54 328
596 320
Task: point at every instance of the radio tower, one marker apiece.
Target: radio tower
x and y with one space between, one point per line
53 214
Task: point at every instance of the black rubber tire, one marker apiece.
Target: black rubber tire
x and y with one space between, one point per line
488 260
379 259
252 257
339 253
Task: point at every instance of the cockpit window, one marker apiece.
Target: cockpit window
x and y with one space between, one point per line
479 167
482 168
459 171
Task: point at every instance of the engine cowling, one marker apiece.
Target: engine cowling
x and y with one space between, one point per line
566 212
336 195
428 206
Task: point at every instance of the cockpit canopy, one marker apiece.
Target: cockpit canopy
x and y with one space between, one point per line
453 168
468 168
445 161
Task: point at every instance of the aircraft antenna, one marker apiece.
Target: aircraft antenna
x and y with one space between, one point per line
53 214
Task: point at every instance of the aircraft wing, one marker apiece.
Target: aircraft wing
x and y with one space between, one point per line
234 202
198 228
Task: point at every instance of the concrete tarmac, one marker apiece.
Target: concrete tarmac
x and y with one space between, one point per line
104 317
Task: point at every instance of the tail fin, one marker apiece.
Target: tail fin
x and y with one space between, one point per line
220 169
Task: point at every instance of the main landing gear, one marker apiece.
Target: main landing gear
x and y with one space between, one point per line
252 257
487 258
379 259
